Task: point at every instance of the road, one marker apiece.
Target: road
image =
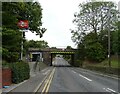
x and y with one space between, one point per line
69 79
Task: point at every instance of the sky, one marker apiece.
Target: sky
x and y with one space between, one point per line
57 19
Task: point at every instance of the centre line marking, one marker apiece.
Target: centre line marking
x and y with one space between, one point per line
85 77
48 82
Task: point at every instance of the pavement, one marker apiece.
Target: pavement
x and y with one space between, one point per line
33 76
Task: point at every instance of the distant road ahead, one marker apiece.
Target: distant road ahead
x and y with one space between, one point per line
59 62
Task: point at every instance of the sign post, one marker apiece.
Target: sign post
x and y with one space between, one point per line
23 25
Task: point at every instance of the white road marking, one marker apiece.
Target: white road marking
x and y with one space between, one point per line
73 71
85 77
110 90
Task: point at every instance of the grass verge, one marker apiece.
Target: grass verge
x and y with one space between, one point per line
103 67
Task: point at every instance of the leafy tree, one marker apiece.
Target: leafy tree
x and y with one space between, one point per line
12 12
91 33
93 16
116 40
94 50
69 47
103 39
53 47
35 44
11 44
80 52
31 11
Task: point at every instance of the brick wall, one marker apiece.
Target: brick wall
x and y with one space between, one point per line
6 77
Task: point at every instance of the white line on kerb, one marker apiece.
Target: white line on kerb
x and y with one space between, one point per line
85 77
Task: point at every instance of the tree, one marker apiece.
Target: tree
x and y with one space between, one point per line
12 12
35 44
94 51
11 40
31 11
69 48
116 40
93 17
91 33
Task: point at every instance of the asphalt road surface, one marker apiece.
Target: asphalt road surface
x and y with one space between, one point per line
69 79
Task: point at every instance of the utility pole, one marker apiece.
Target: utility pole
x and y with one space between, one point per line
109 55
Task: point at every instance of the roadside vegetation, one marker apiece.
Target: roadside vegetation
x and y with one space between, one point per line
114 63
93 22
12 13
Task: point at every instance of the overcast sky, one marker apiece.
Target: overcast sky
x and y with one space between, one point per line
57 19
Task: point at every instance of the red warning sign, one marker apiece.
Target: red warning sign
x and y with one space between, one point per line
23 24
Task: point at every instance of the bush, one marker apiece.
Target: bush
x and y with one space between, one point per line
5 64
20 71
78 63
95 52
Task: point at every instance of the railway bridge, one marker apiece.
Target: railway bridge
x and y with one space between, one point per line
46 55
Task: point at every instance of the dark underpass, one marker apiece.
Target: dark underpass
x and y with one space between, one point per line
64 55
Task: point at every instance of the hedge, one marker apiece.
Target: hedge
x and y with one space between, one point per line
20 72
